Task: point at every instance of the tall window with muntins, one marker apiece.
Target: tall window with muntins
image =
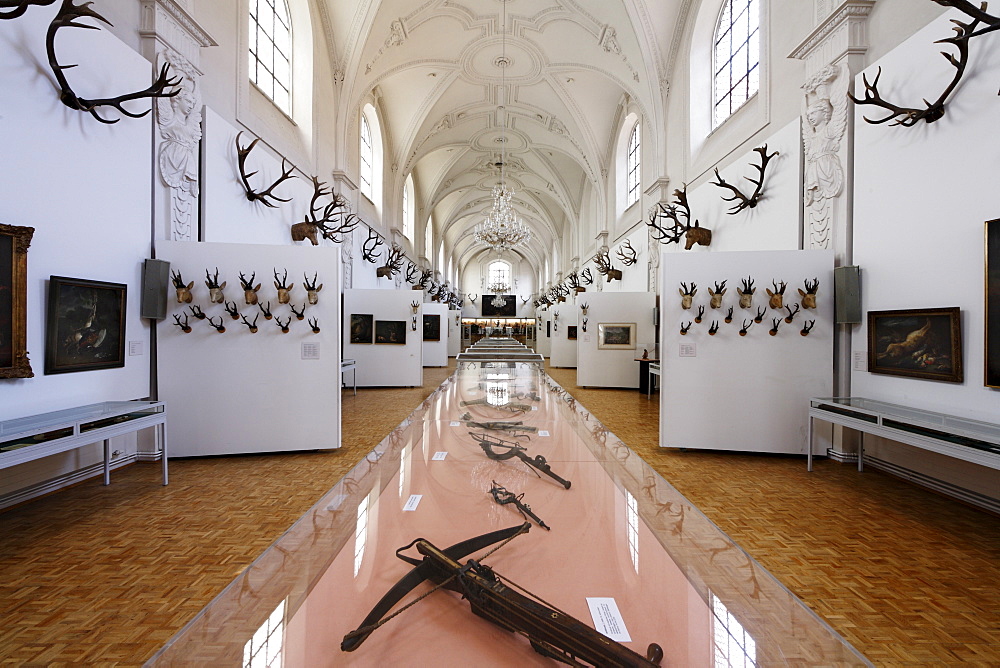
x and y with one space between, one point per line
736 58
407 220
499 273
367 158
271 51
632 168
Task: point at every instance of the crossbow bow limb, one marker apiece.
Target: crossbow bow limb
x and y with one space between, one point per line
551 632
511 450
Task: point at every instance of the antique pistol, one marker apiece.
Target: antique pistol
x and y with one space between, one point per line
510 450
503 496
551 632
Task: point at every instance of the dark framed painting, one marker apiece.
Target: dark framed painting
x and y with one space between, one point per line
432 327
84 325
992 289
917 343
362 330
390 331
548 329
616 335
14 242
571 332
508 310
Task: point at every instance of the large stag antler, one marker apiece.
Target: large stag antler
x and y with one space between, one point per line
252 195
679 211
412 272
330 220
742 201
368 252
11 9
586 277
393 263
627 254
603 262
67 17
932 111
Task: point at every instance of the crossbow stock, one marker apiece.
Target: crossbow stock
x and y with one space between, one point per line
509 450
551 632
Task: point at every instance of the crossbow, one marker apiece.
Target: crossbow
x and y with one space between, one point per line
504 496
551 632
513 408
509 450
510 427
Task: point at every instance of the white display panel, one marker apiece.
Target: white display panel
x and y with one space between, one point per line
602 367
239 392
435 352
748 393
386 364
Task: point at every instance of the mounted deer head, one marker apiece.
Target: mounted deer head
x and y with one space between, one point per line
584 324
525 300
679 212
252 326
232 310
687 294
627 254
284 326
314 325
742 201
747 324
265 309
932 111
393 263
312 292
473 298
791 313
573 280
583 308
412 272
330 220
713 328
809 296
300 314
262 196
67 16
185 327
197 312
701 314
746 292
775 323
184 295
215 295
220 327
284 291
685 328
249 290
717 294
760 314
777 296
586 277
729 315
603 262
370 245
807 327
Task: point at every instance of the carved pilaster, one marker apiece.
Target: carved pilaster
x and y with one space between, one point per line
347 259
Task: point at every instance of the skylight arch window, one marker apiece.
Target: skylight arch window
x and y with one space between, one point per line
270 52
367 158
632 169
499 273
736 57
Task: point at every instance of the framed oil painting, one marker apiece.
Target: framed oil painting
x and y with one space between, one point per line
361 328
84 325
616 335
571 332
14 242
390 331
432 327
917 343
992 337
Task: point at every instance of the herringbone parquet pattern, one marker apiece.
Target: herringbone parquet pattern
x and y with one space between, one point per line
105 575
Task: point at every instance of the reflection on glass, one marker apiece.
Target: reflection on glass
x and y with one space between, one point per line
734 648
360 535
497 394
632 529
263 650
404 462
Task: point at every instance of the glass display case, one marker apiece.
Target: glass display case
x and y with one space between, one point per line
619 533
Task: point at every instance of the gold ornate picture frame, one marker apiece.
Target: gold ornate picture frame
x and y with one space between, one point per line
616 336
14 242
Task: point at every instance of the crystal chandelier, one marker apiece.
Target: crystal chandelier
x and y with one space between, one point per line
498 288
501 230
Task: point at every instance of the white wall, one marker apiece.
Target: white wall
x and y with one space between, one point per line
385 365
732 392
563 350
454 320
238 392
613 368
84 186
435 352
543 342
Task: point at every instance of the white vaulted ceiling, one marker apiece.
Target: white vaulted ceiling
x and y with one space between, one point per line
435 69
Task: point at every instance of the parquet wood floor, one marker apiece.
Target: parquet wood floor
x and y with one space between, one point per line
104 576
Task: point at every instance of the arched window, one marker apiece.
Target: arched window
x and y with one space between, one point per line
367 158
499 274
407 212
429 240
632 171
736 58
271 51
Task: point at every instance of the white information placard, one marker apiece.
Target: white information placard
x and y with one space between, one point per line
543 432
412 502
607 619
438 456
456 424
